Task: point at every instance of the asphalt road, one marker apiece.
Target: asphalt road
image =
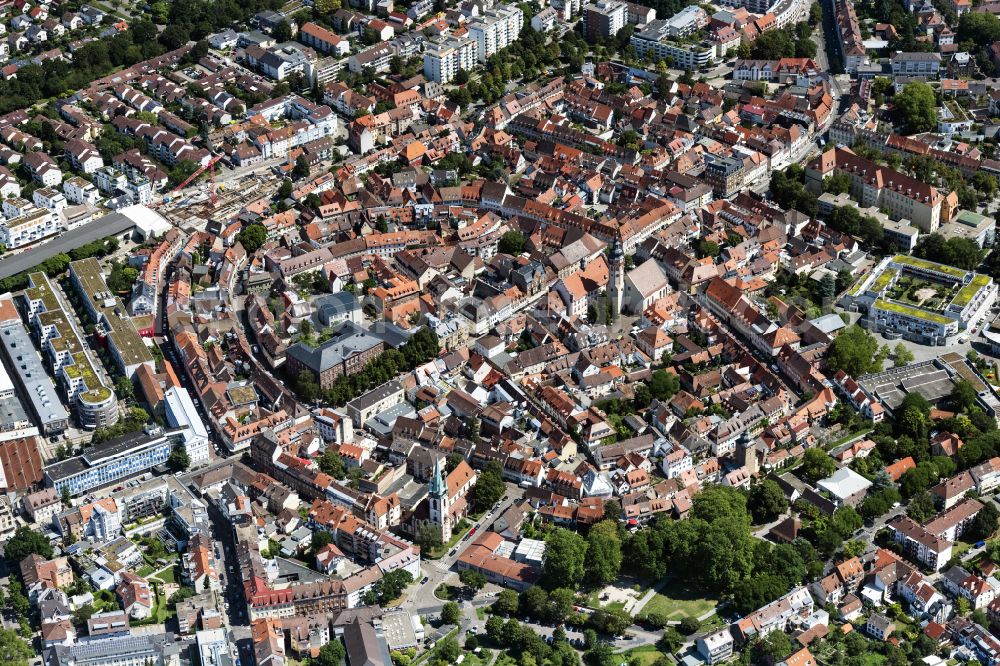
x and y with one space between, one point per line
235 618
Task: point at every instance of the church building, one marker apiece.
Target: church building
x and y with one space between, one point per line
446 502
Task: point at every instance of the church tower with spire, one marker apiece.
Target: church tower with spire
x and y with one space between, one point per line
439 502
616 278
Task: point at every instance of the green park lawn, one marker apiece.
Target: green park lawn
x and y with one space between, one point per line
647 654
677 603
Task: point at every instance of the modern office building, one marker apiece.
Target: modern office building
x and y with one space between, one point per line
113 461
125 650
23 363
182 414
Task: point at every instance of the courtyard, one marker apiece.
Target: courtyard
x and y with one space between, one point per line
923 293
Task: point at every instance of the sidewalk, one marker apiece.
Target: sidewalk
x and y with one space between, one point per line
633 608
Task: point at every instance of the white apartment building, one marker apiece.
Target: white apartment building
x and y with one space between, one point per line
16 206
443 61
34 225
686 22
46 197
716 647
495 30
181 413
136 187
9 187
545 20
80 191
657 38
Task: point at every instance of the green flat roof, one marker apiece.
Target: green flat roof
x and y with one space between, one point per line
968 292
857 285
883 280
96 396
911 311
969 218
907 260
123 333
81 368
41 291
965 295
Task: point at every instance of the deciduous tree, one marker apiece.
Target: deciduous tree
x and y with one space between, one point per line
252 237
855 351
816 465
27 542
489 488
450 613
766 501
604 553
918 107
565 558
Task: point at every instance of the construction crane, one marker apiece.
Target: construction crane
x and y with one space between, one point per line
210 167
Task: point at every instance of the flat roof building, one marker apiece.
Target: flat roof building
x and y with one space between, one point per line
401 629
20 355
968 224
108 311
181 413
112 461
213 647
60 340
143 650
